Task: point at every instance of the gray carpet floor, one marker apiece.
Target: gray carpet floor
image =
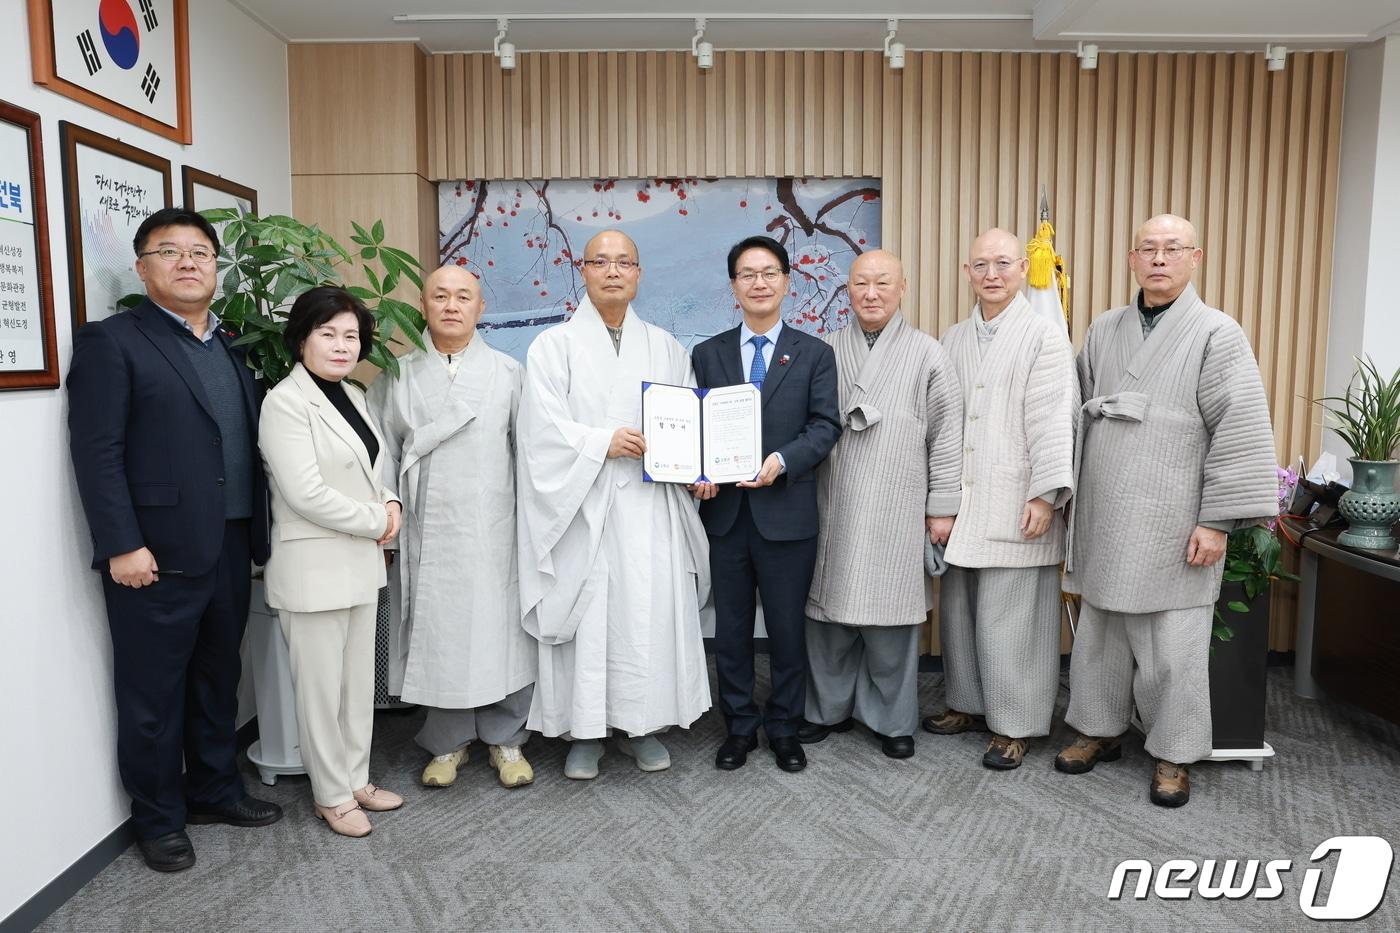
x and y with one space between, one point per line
856 842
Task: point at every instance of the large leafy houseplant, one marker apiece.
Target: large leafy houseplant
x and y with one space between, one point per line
266 262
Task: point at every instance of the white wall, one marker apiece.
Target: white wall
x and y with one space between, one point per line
58 774
1365 316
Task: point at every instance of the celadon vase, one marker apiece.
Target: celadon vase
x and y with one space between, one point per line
1371 506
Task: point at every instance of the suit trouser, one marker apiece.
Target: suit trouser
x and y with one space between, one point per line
741 560
501 723
868 672
175 670
1158 660
332 657
1000 632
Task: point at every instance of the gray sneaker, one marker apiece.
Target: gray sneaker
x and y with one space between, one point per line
582 763
647 751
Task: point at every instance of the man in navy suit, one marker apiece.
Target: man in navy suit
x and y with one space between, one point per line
162 417
763 533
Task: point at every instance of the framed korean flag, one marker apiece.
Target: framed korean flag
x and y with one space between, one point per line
127 58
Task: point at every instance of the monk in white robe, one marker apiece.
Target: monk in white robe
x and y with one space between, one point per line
1176 451
891 481
449 432
613 570
1000 608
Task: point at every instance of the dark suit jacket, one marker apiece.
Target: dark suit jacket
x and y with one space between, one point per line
800 421
146 447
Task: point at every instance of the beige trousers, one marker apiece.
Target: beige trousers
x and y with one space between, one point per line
332 657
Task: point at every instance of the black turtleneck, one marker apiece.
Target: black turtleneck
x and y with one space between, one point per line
1153 311
341 400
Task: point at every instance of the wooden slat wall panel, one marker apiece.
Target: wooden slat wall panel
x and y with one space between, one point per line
964 140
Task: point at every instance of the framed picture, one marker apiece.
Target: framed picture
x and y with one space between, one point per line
127 58
109 188
28 350
203 191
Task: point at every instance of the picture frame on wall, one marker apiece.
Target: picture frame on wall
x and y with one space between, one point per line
203 190
127 58
28 348
109 188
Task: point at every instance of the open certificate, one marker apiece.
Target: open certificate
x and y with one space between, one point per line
701 435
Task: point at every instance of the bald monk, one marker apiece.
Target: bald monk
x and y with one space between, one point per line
1176 451
890 484
613 570
1000 609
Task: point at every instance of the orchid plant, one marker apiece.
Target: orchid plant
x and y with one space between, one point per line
1254 558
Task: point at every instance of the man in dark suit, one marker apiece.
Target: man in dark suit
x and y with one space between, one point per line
162 417
763 533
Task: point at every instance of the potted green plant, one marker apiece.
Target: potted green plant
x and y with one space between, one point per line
1368 419
266 262
1239 656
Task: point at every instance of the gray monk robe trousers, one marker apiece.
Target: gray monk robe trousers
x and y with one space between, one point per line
1000 610
1174 433
896 463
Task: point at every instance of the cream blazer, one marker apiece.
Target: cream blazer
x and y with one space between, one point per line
328 503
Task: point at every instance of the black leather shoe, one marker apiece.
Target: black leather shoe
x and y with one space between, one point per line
788 753
810 733
897 746
171 852
734 752
250 811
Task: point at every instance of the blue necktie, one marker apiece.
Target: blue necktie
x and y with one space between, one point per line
758 369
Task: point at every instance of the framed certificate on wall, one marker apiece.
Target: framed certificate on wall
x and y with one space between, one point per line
28 350
127 58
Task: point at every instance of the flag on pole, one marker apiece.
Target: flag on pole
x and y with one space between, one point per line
1047 283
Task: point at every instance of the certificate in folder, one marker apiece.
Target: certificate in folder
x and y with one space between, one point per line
701 435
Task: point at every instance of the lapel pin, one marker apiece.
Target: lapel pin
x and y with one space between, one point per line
783 360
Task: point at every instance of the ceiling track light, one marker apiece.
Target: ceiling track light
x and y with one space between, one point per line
503 50
1088 56
703 51
1275 57
894 51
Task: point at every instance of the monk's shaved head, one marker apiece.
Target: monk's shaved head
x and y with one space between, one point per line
996 269
880 259
1169 225
876 285
452 306
996 242
451 275
1162 275
609 240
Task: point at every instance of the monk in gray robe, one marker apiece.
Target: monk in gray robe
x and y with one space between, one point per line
1175 451
890 483
449 434
1000 608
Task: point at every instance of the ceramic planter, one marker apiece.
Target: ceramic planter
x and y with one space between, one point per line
1371 506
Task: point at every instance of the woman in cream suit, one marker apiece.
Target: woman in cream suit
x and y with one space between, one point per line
330 518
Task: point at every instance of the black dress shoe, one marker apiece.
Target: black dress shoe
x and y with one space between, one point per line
788 753
734 751
810 733
250 811
897 746
171 852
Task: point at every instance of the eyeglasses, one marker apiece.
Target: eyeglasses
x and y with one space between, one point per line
623 265
1169 253
981 267
202 255
769 276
